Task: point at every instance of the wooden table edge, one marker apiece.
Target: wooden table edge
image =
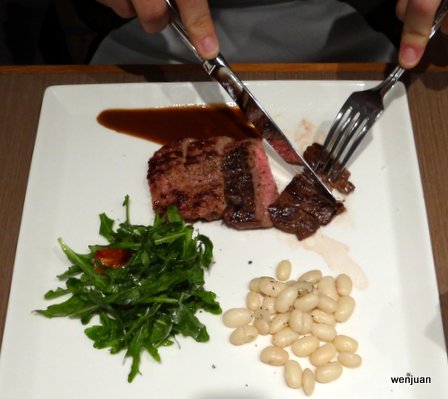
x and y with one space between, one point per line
243 67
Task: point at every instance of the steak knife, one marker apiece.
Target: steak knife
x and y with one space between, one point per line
218 69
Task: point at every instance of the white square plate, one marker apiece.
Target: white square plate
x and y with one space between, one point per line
81 169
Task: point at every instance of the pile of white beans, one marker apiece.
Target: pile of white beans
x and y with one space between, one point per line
301 317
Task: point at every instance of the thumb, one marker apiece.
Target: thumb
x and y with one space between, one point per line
418 21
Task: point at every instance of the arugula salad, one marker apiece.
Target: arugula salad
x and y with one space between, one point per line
144 286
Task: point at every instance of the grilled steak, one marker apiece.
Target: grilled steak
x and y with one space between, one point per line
303 207
188 175
220 178
249 186
342 183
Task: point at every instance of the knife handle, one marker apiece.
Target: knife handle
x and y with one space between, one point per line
220 70
213 67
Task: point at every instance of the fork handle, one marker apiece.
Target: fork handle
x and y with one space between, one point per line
393 77
440 15
390 81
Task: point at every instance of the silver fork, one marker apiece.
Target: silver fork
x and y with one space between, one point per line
356 117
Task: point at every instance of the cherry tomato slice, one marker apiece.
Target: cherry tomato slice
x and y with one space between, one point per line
112 258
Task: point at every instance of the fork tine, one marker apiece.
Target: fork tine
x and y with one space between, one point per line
345 136
332 138
328 143
350 145
358 138
356 123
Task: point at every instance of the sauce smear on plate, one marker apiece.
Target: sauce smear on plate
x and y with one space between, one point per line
166 124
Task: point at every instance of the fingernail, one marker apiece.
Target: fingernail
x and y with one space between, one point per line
409 56
209 46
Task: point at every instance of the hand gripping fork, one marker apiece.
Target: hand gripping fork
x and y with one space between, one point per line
358 114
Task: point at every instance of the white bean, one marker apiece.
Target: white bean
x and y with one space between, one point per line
307 324
285 299
300 322
344 284
283 270
262 326
274 356
304 287
327 304
262 313
295 320
324 332
307 302
237 317
348 359
279 322
289 310
346 305
319 316
308 382
243 335
328 372
327 286
284 337
345 344
312 276
293 374
253 300
305 346
271 287
254 284
268 305
323 354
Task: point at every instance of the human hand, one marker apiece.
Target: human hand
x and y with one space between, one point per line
154 16
418 18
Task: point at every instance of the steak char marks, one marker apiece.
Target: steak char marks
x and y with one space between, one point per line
303 207
220 178
249 187
215 178
342 183
187 174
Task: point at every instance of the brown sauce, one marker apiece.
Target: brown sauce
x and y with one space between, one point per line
166 124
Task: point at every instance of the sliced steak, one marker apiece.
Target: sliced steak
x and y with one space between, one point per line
303 207
220 178
249 186
342 183
188 175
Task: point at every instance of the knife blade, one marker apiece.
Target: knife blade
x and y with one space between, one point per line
218 69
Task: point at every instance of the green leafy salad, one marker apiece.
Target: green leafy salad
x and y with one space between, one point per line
145 286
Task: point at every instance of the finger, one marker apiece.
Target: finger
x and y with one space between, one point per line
153 14
400 9
123 8
196 17
418 20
